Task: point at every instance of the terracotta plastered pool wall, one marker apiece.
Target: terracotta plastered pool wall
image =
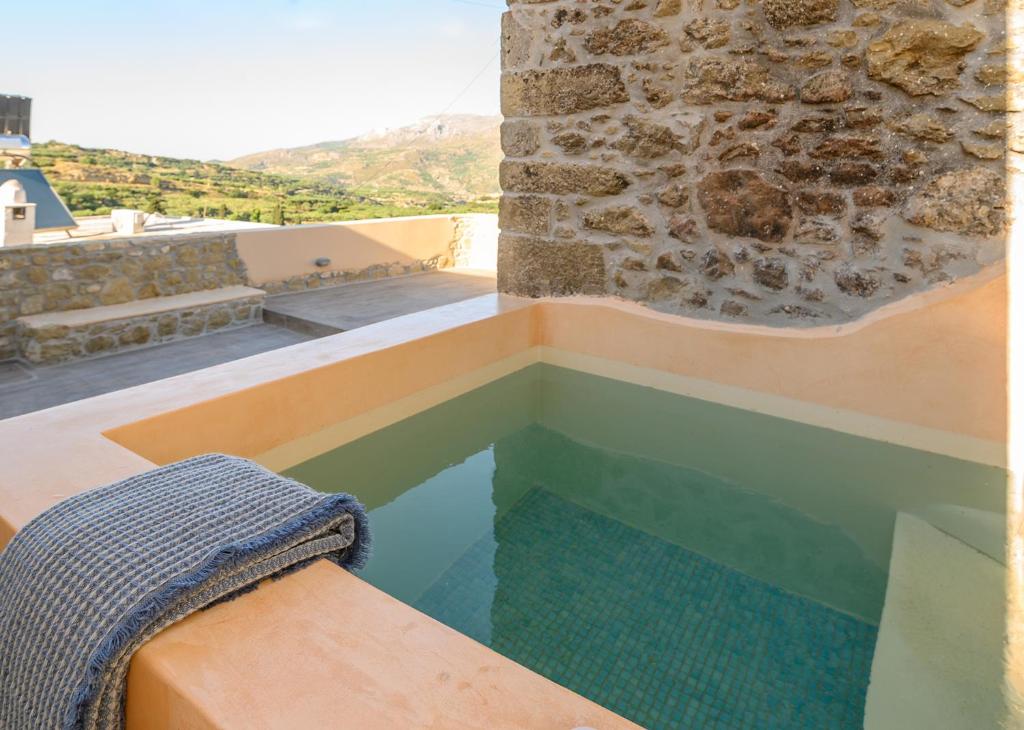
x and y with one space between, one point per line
929 372
904 368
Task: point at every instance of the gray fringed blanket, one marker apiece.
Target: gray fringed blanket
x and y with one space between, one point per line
86 583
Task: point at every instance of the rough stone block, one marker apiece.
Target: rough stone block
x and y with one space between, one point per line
789 13
922 56
561 90
628 37
969 201
712 79
519 138
525 214
622 220
559 179
741 203
537 267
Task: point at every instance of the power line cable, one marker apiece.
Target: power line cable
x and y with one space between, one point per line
476 78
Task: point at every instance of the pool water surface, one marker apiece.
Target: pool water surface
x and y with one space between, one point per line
684 564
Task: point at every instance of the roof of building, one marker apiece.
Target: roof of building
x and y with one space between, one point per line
51 213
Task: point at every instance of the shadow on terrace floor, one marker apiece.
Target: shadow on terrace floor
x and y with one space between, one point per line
290 319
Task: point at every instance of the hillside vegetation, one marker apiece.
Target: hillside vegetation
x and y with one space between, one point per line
455 156
396 176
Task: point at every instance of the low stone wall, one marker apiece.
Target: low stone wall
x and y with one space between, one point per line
84 274
54 343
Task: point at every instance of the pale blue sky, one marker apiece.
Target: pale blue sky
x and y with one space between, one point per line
222 78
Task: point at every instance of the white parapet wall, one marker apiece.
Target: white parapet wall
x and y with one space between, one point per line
280 258
476 242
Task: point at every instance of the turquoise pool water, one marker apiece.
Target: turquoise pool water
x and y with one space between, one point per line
686 565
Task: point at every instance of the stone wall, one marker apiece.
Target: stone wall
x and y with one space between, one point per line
778 161
83 274
80 275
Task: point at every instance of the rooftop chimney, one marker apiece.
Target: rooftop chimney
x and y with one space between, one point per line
17 215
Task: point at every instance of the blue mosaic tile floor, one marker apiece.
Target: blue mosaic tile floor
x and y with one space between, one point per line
650 630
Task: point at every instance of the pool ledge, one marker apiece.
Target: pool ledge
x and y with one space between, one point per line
329 640
940 648
319 644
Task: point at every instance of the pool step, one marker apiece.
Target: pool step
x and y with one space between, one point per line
939 658
54 337
297 324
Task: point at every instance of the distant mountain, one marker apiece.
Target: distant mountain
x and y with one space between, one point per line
454 155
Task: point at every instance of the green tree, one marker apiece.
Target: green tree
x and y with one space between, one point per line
277 215
155 204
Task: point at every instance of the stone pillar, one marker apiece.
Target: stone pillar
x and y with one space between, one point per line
779 162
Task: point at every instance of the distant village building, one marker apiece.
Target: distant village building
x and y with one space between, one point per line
29 203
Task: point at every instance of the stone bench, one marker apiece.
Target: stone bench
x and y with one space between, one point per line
53 337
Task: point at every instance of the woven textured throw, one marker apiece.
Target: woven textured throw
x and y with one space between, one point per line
86 583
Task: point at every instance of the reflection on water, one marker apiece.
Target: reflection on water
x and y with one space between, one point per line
659 554
807 509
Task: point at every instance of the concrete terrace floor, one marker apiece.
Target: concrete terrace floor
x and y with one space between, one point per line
291 319
24 389
342 308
